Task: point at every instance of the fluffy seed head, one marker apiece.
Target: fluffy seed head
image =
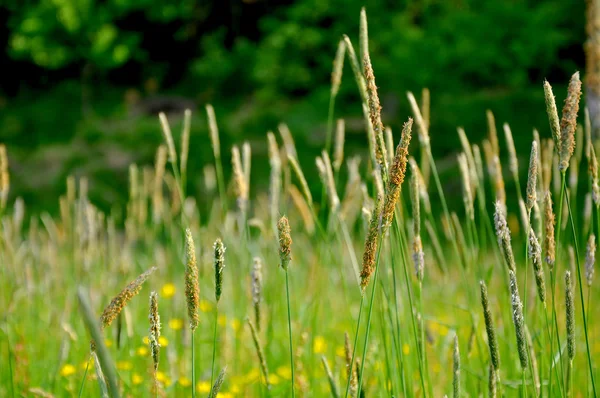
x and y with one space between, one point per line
518 319
219 256
168 137
338 150
466 185
218 383
513 162
489 327
285 242
154 334
4 176
375 115
590 259
493 133
593 170
568 122
239 178
492 386
192 289
214 131
549 243
351 368
570 307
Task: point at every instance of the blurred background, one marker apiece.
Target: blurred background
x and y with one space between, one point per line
83 80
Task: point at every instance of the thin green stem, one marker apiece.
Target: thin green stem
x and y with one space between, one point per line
580 284
362 299
287 290
193 367
87 366
214 353
365 345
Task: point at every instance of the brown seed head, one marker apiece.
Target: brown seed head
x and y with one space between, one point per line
397 172
549 243
120 301
568 122
154 329
371 242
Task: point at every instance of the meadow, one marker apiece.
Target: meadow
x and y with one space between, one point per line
380 285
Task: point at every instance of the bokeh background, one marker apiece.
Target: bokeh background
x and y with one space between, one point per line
83 80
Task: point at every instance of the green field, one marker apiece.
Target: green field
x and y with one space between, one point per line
385 276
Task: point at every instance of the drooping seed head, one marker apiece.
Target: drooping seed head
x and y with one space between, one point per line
568 122
285 242
518 319
549 243
120 301
534 253
219 256
192 289
155 326
489 327
570 308
590 259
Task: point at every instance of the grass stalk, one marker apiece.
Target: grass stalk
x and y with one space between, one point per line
287 290
214 353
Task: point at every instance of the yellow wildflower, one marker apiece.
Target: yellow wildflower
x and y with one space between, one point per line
136 379
162 340
235 324
222 320
406 349
168 290
142 351
203 386
67 370
184 382
175 324
124 365
205 306
284 372
319 345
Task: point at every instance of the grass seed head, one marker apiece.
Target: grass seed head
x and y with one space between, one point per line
119 302
371 242
192 289
214 392
397 172
492 386
285 242
518 319
549 242
532 177
590 259
155 326
534 253
503 235
489 327
239 178
168 137
568 122
338 68
219 257
257 281
456 369
570 310
375 115
552 112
